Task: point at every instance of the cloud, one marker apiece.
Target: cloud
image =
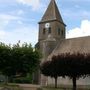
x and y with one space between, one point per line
24 34
2 34
77 0
73 15
8 17
5 19
83 30
33 3
19 22
7 1
20 12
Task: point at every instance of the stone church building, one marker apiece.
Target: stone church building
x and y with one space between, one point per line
52 41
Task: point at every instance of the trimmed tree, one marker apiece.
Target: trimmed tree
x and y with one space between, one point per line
53 68
48 69
72 65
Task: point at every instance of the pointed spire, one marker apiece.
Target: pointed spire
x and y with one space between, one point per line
52 13
53 0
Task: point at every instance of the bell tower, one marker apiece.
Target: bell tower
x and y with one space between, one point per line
52 23
51 31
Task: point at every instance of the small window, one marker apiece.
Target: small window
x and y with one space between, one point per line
44 31
49 30
58 31
62 33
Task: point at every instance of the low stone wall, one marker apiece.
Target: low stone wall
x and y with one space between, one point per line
67 87
67 81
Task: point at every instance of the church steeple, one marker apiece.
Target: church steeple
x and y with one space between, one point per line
52 23
52 13
51 32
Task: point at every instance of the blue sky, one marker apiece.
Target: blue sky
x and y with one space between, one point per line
19 19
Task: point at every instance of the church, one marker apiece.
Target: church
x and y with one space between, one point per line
52 41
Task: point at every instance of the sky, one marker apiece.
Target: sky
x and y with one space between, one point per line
19 19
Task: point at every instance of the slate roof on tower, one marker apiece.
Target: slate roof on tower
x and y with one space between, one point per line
52 13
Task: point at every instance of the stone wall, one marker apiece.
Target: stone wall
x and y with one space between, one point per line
68 81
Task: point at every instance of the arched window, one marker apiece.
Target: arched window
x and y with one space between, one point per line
58 31
49 30
62 32
44 31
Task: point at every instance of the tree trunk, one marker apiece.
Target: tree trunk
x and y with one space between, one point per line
74 83
6 80
10 79
56 82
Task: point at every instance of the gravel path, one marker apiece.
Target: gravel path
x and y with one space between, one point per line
29 86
